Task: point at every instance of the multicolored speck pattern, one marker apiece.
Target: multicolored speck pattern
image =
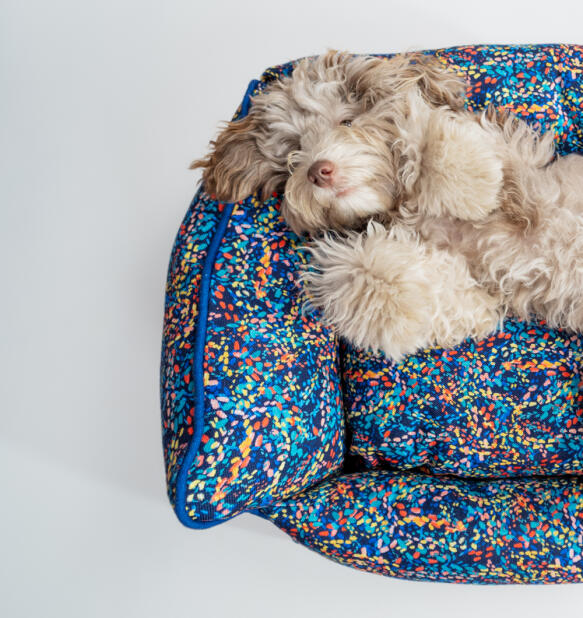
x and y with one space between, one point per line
273 411
506 406
444 528
273 422
455 465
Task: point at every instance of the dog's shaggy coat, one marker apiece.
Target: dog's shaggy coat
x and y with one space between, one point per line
444 220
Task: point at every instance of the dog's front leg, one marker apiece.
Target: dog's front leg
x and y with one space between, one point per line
384 290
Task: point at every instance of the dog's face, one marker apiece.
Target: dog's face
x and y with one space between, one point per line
327 136
341 166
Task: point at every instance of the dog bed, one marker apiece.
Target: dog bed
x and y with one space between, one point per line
459 465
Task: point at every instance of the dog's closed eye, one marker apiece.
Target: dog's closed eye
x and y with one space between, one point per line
293 160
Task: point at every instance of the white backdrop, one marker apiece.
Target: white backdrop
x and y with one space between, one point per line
102 107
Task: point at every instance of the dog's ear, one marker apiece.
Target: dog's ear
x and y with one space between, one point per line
438 85
235 167
374 79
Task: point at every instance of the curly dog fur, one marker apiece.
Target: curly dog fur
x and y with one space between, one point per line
444 220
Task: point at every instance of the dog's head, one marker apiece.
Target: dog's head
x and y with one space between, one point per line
327 137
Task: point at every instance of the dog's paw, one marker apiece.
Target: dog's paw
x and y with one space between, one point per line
385 291
461 170
374 288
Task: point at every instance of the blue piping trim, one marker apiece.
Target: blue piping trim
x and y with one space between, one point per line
198 358
197 373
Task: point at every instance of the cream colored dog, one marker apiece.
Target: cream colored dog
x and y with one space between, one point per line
444 220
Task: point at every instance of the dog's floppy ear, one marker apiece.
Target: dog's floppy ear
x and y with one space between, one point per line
380 78
235 167
437 84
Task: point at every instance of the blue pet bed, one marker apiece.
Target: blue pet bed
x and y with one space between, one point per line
458 465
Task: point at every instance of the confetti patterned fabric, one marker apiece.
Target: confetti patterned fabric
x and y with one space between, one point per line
438 528
455 465
268 397
506 406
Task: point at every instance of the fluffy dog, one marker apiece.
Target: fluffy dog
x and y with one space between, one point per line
429 223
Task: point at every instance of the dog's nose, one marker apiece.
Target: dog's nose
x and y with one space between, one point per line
321 173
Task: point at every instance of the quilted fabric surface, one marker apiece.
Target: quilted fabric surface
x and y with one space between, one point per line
459 465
